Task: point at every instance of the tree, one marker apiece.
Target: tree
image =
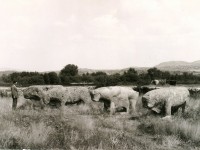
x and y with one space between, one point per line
69 70
68 74
166 75
154 73
130 76
15 76
99 73
131 71
53 78
31 80
46 78
86 78
101 80
143 79
6 78
114 79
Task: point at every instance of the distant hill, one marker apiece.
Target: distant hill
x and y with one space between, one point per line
171 66
181 66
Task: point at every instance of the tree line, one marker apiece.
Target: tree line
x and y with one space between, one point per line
69 75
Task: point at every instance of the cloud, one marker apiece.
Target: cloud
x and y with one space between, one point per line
97 34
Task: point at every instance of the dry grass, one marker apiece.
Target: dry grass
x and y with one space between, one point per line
186 127
89 128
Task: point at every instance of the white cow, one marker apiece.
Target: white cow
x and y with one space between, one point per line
118 97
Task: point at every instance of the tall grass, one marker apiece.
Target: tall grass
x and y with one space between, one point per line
88 128
186 127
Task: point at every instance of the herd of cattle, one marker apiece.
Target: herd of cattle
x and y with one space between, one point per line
165 100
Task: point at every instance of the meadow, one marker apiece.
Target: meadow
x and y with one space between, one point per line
90 128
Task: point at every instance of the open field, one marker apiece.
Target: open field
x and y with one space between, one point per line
82 127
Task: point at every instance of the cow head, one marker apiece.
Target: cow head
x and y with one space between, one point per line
95 96
34 93
147 102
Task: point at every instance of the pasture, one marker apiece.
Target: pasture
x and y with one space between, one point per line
85 128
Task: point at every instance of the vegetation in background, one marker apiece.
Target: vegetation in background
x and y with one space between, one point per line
69 74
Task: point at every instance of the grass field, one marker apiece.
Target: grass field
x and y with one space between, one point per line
85 128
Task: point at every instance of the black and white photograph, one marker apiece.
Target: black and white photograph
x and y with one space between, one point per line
100 74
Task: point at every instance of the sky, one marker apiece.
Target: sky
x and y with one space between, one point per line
46 35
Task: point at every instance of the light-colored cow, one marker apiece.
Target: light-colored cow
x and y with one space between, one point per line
166 99
57 95
118 97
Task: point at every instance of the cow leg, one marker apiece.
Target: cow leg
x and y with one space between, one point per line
132 106
112 108
168 108
106 105
183 107
62 110
128 110
167 111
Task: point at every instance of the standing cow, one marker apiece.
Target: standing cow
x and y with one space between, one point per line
166 99
58 95
117 96
158 82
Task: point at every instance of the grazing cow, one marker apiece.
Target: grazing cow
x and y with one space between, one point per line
58 95
166 99
117 96
157 82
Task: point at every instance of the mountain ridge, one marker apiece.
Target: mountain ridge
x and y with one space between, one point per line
171 66
181 66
